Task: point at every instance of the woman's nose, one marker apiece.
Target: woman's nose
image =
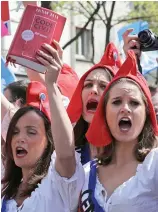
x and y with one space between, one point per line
94 90
125 108
21 138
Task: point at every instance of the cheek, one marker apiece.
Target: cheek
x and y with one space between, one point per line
84 96
141 114
108 115
111 116
39 145
12 143
101 92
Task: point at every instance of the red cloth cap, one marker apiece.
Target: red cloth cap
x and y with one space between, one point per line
98 133
67 81
111 61
36 96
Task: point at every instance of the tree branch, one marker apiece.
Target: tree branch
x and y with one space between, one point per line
84 27
92 40
84 8
104 21
108 25
104 9
131 19
112 11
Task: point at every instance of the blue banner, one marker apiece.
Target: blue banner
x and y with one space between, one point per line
136 26
7 76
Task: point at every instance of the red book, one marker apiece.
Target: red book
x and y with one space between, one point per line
38 25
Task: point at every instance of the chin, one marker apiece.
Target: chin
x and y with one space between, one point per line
126 139
21 164
88 119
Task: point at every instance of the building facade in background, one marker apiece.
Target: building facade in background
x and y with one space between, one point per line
77 54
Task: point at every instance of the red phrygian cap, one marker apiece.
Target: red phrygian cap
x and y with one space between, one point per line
67 81
36 96
98 133
111 61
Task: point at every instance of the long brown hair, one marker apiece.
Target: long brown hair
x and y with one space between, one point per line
13 174
146 140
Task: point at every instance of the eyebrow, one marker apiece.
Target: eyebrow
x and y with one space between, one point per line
30 126
99 81
118 97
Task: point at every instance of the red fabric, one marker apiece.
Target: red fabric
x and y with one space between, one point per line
33 97
98 133
74 109
67 81
5 11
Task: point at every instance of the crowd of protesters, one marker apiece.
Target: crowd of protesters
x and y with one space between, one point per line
90 145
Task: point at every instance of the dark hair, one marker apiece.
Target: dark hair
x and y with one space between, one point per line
3 155
18 90
13 173
81 126
146 139
80 130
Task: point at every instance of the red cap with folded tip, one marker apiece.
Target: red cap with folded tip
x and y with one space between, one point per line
110 61
67 81
36 96
98 133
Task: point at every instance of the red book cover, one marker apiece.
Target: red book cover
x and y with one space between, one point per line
38 25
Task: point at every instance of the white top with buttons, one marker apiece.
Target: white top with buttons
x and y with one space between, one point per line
54 193
138 194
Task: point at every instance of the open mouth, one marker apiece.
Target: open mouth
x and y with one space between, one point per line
92 105
21 152
125 124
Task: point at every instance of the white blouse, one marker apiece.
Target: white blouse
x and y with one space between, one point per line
54 193
138 194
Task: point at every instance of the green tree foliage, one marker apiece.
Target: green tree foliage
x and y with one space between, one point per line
146 10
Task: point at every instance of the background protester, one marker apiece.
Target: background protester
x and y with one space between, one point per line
86 97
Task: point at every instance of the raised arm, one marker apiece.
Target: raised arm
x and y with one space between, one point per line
35 76
5 106
131 41
62 129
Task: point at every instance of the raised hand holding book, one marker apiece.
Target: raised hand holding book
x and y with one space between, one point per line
38 25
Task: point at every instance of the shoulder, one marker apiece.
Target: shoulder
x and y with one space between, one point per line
152 158
148 170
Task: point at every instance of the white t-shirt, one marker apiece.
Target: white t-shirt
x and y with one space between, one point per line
54 194
138 194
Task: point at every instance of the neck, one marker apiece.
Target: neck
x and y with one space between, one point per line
26 173
124 153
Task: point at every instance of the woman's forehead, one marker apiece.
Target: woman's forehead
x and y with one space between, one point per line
98 74
30 117
125 87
